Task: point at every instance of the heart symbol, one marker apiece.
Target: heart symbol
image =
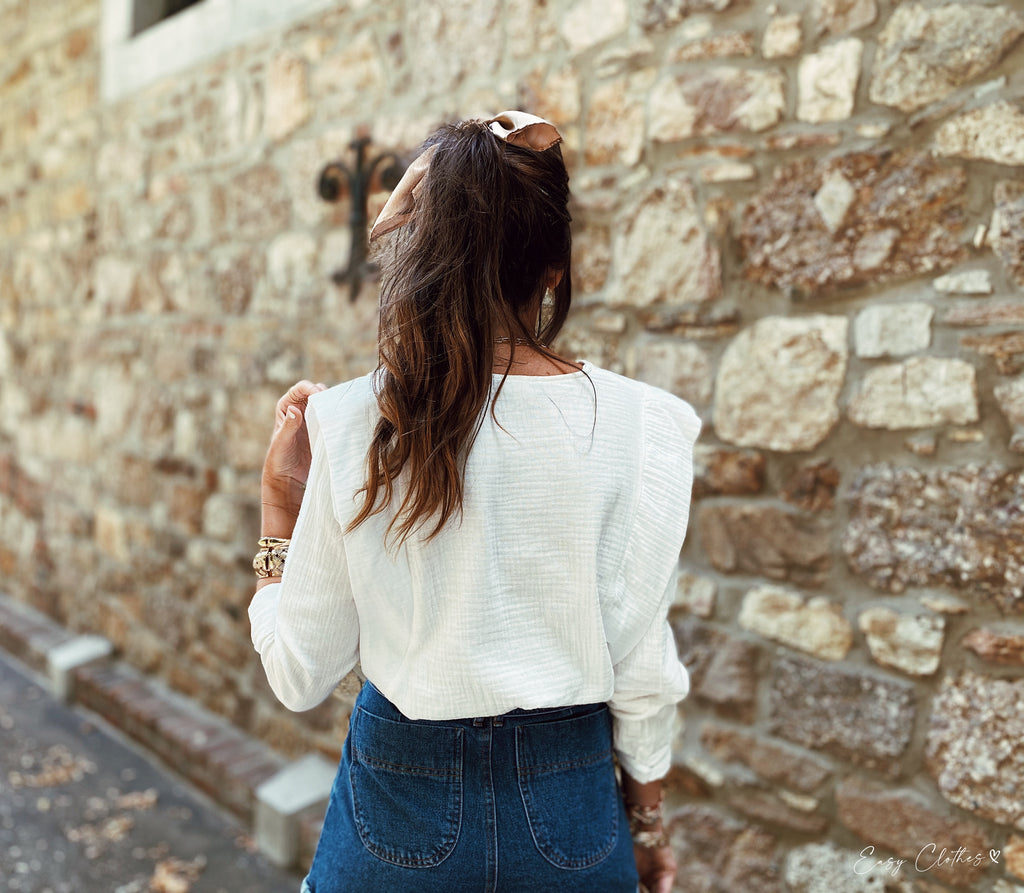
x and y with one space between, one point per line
994 855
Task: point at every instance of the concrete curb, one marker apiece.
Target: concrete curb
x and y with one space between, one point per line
282 802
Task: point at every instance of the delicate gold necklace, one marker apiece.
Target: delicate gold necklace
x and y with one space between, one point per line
504 339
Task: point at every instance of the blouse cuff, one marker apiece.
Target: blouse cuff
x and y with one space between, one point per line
644 746
263 615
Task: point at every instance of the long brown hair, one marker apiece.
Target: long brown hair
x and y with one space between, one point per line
490 226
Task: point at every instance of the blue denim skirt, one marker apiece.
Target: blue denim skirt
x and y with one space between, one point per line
526 801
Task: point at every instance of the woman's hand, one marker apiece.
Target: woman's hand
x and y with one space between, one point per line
287 464
656 867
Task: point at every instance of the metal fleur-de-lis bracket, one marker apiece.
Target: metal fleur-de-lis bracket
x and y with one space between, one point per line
329 187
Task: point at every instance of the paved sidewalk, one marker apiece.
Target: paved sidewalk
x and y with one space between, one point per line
82 810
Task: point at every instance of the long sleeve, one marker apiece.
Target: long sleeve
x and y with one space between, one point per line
649 679
649 682
306 628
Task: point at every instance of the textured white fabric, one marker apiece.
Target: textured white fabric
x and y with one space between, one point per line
552 590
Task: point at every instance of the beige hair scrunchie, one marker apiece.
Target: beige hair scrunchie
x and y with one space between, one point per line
518 128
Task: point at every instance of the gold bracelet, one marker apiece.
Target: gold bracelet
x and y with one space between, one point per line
643 815
269 561
650 840
645 825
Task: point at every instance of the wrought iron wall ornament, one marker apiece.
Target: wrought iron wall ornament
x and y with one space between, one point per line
330 188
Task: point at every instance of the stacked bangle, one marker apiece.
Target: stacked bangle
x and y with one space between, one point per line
645 826
269 561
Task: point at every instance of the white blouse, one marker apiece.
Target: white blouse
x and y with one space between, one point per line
551 590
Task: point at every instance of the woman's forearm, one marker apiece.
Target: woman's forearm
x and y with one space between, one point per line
640 793
278 519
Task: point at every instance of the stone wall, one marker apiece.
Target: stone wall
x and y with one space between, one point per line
807 218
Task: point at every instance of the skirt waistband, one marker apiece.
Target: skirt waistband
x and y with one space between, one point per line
372 700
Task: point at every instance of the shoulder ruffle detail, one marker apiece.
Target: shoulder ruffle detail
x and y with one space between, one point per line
670 430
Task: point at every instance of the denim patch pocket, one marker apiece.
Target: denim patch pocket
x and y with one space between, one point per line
406 782
567 782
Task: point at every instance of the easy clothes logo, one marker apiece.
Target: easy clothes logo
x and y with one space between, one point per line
930 856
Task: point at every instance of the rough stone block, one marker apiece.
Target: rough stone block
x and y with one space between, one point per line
776 762
828 81
824 868
918 393
680 368
663 225
615 121
841 16
659 14
992 133
996 647
855 715
783 37
993 313
1006 348
779 382
788 244
1013 852
287 105
721 99
893 330
695 594
291 262
554 95
812 486
965 282
729 43
910 643
925 53
723 668
591 22
1007 230
726 472
903 822
728 172
765 540
719 853
281 799
834 199
899 532
973 750
354 71
591 258
766 809
64 659
816 626
692 777
256 203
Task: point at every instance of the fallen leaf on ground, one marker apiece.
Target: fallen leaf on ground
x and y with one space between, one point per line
138 799
56 767
176 875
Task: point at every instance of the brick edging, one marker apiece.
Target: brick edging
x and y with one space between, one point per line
28 634
218 758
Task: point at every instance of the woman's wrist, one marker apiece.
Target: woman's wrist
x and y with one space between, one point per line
277 521
643 809
646 826
280 501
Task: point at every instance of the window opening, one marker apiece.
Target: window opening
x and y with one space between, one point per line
147 13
